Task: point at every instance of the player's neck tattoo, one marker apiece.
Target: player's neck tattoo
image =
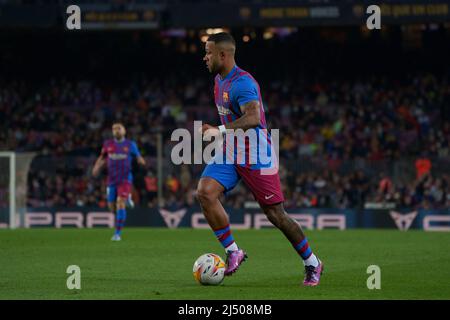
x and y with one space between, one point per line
120 140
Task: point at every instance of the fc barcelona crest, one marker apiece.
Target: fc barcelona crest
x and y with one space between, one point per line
125 149
225 96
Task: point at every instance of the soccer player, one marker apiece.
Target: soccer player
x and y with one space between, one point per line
238 100
118 153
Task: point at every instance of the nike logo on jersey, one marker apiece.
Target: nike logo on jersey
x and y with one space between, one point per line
268 197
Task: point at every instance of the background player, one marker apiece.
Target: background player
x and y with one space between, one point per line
239 103
118 153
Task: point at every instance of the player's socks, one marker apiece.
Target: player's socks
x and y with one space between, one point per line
225 237
303 249
232 247
311 261
120 220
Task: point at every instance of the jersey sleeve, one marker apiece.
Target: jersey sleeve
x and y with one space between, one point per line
244 91
134 150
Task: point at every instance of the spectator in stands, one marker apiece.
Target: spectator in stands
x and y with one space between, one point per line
423 166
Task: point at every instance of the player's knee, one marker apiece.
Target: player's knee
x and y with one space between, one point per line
275 216
206 195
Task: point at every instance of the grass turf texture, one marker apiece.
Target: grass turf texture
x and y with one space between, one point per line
157 264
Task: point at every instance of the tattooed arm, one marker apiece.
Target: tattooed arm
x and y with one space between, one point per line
251 118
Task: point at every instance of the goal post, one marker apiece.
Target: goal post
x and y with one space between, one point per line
14 169
8 189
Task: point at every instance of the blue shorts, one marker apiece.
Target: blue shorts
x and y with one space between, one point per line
114 190
225 174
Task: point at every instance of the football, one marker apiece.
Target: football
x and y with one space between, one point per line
209 269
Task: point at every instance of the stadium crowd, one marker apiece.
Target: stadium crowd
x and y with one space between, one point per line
374 119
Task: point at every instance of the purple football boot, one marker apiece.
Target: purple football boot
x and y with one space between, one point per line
312 275
234 260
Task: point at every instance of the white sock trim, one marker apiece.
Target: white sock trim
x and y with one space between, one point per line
232 247
311 261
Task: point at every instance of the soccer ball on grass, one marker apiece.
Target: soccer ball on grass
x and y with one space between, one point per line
209 269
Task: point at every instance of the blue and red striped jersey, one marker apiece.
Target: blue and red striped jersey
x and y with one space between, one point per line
119 157
231 93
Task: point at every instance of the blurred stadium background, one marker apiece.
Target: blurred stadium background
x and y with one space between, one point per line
364 114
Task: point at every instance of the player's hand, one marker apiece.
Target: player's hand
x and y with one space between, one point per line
141 161
97 167
95 172
205 127
210 131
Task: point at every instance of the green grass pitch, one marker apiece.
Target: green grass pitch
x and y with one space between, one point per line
157 264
